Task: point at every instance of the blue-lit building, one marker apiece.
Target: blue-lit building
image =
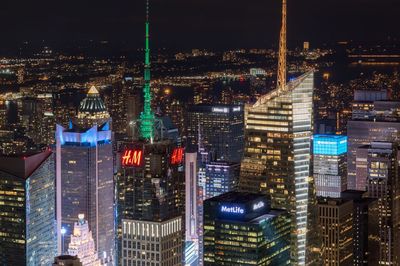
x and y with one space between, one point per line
330 165
221 177
84 163
241 229
27 210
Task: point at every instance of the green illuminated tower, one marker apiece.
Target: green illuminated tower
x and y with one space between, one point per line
147 116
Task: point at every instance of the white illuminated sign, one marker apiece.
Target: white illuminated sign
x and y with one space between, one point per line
234 209
258 205
220 110
236 109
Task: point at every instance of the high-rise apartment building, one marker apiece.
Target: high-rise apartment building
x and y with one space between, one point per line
221 130
336 222
277 153
84 160
378 169
330 165
27 210
242 229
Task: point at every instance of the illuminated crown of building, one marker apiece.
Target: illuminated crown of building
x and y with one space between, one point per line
82 243
147 119
92 108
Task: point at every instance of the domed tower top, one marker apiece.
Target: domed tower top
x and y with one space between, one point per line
92 109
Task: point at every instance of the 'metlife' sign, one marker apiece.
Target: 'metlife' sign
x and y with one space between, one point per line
232 209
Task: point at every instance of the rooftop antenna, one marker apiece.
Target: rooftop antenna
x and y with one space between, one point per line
281 83
147 116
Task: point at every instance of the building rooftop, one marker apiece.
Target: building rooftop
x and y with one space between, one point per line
23 166
237 197
92 103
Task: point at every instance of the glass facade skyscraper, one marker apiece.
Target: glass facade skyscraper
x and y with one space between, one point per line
221 130
85 184
278 129
330 168
27 210
242 229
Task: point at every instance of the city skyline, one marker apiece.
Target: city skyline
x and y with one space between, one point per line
201 157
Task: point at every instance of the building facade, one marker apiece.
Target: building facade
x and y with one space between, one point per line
276 162
221 177
330 165
84 163
221 130
374 119
82 244
242 229
378 168
27 210
336 222
150 195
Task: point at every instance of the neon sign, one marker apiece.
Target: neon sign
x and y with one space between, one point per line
233 210
132 158
177 156
258 205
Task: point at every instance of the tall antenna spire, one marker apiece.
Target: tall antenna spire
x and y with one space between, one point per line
147 116
282 51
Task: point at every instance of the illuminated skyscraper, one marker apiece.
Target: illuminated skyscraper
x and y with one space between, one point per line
330 169
378 169
242 229
278 129
221 177
82 244
374 119
191 209
336 221
85 184
150 189
27 210
365 225
221 130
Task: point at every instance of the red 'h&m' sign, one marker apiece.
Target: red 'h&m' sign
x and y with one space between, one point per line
177 156
132 157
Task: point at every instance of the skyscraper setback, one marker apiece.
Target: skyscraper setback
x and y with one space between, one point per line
278 129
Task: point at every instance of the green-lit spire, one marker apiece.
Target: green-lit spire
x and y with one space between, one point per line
147 116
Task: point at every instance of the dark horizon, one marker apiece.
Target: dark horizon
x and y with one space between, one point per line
199 24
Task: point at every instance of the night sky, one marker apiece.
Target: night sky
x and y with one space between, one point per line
199 23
